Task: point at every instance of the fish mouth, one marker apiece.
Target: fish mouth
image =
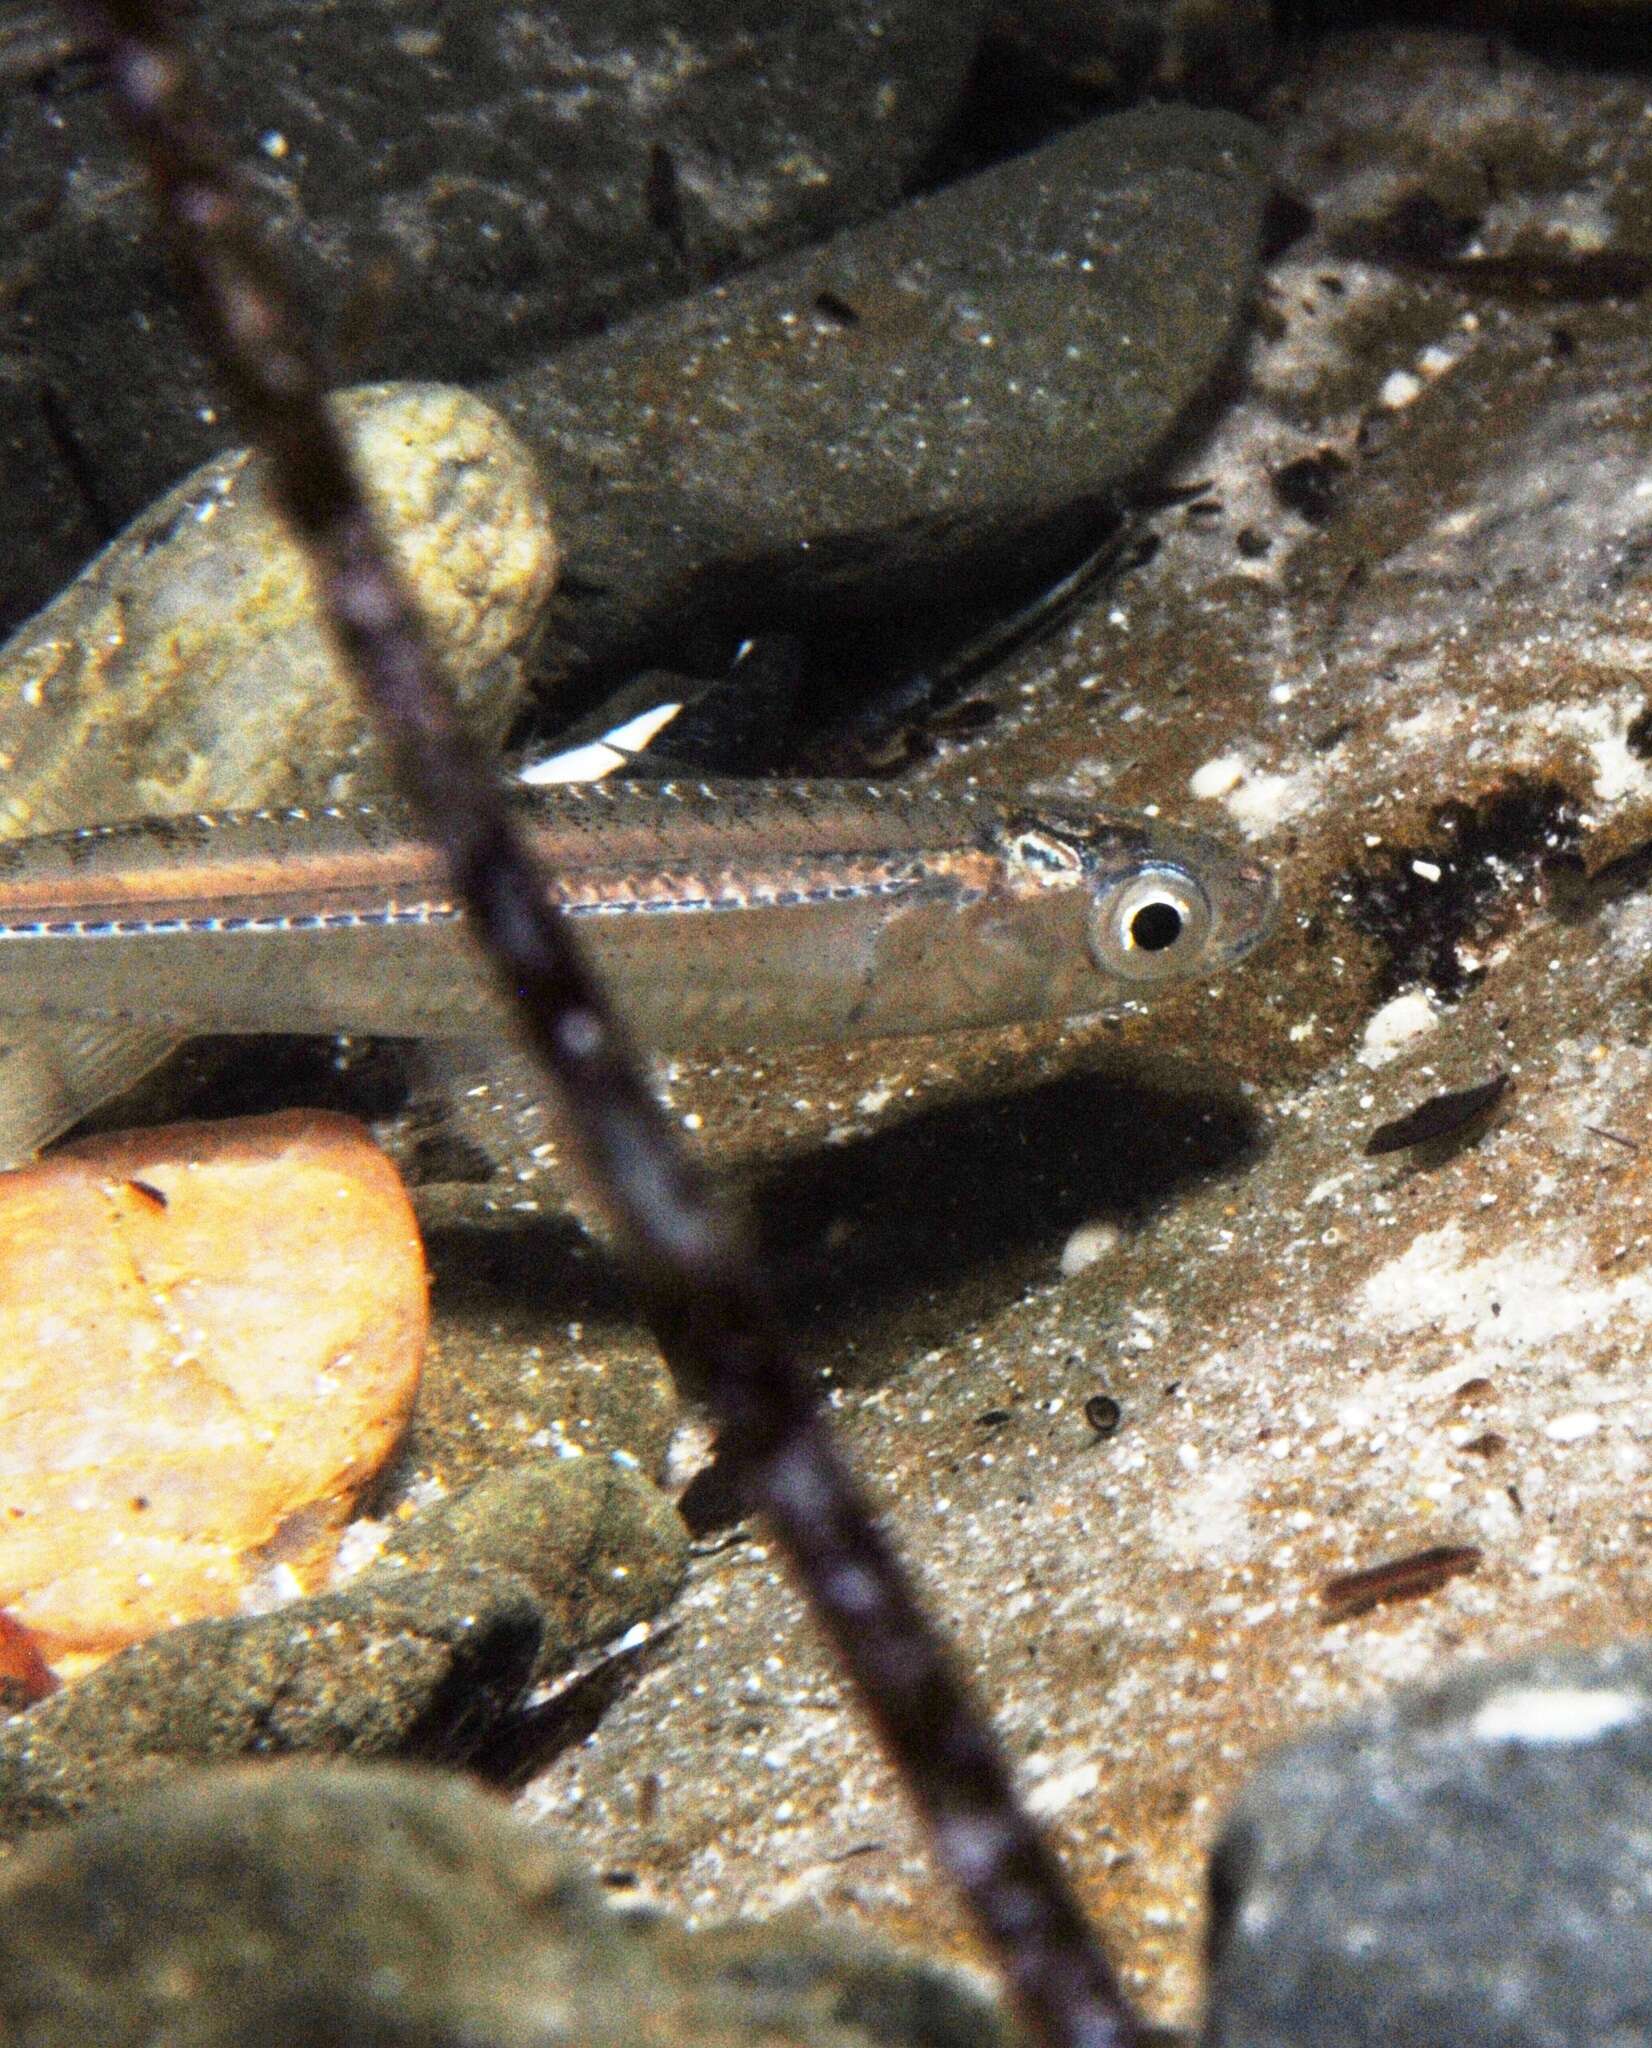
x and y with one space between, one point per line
1246 900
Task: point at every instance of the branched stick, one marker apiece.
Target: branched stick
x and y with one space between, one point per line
702 1287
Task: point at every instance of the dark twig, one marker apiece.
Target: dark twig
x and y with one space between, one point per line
709 1302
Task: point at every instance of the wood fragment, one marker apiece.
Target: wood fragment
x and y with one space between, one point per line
1612 1137
1441 1116
1490 1443
1398 1578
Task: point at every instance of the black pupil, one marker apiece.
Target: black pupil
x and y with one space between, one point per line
1155 926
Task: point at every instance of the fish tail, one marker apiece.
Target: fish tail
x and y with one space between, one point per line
53 1076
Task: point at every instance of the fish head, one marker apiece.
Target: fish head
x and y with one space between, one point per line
1165 902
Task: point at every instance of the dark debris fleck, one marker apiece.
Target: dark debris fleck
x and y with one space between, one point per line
1422 901
1308 486
1398 1578
1440 1117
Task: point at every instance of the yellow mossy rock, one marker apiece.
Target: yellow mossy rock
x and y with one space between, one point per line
210 1341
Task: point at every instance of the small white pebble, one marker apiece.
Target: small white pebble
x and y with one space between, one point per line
1061 1790
360 1545
690 1450
277 1587
1399 388
1395 1026
1088 1243
1217 777
1573 1426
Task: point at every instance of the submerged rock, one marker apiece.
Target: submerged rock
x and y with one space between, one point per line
423 1653
1171 49
186 668
1472 1862
212 1336
458 193
421 1664
961 388
600 1545
251 1909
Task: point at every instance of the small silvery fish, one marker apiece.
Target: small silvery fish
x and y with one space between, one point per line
721 915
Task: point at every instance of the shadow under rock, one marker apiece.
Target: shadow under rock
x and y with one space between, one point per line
561 1716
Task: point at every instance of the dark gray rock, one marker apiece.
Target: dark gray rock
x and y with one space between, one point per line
1206 50
420 1664
51 527
601 1546
1471 1864
805 1975
391 1909
460 188
964 385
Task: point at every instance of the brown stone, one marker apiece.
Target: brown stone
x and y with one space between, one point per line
210 1340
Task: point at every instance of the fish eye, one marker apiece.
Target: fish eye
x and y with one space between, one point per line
1156 925
1151 925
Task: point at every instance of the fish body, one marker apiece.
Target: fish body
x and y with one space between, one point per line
720 915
